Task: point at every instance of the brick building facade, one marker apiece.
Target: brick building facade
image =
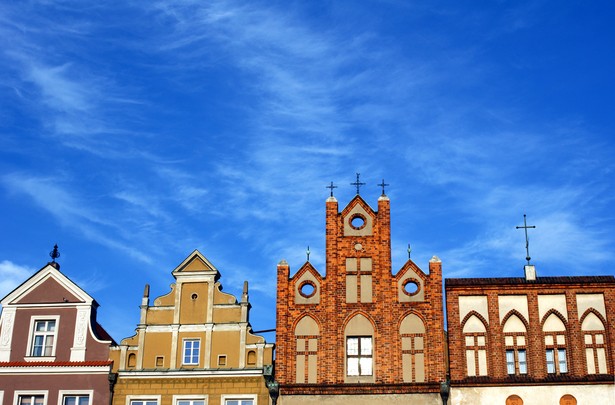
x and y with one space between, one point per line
360 333
544 340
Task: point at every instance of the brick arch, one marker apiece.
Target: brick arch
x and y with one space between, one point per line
518 314
411 312
595 312
315 319
355 313
558 314
480 318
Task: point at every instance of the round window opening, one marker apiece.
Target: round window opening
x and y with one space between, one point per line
194 296
411 287
358 221
307 289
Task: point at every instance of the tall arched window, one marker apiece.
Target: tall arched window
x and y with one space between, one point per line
554 332
359 336
515 341
595 344
475 337
306 346
412 331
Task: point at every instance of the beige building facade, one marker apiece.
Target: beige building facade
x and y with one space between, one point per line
193 346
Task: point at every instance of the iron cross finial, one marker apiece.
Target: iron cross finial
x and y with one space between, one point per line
331 187
308 253
357 183
54 254
527 240
409 251
383 185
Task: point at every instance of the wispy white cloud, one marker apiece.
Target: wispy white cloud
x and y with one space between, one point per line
12 275
50 194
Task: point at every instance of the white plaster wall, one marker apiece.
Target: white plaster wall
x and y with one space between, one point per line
555 301
476 303
392 399
506 303
586 301
533 395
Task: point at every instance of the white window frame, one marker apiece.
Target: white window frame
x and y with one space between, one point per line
360 356
30 346
177 398
78 393
17 394
198 360
238 397
130 398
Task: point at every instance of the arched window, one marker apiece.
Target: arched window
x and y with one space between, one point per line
595 344
554 332
132 360
359 336
515 341
251 358
474 333
412 331
306 346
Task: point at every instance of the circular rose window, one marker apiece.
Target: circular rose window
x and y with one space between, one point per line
358 221
411 287
307 289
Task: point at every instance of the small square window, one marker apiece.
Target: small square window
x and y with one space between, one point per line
222 360
159 361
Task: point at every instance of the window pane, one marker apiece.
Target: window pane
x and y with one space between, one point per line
352 346
232 402
353 366
550 361
51 326
39 326
70 400
510 361
561 358
366 346
84 401
522 362
366 366
247 402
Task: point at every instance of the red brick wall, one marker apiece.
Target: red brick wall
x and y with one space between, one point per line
577 367
386 312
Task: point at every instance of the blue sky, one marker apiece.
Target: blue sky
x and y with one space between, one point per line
132 133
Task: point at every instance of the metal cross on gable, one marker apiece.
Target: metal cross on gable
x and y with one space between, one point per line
357 183
527 240
383 185
331 187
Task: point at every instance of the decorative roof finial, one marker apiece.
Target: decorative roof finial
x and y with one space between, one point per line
358 184
308 253
527 240
383 185
331 186
409 251
54 253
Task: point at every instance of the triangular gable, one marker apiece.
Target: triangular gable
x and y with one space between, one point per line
195 262
48 291
411 267
307 268
32 290
358 200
